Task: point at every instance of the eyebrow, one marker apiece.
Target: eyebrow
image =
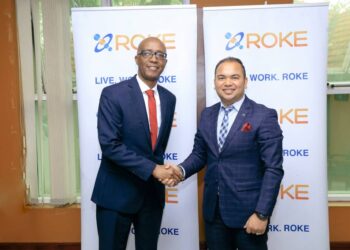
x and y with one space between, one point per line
153 50
228 75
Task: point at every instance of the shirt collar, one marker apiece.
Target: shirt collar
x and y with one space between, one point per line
143 86
237 105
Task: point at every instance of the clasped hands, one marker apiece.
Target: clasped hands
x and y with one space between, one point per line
168 174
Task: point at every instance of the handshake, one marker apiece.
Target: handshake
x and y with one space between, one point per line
169 175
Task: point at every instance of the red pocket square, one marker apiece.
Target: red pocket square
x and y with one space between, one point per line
246 127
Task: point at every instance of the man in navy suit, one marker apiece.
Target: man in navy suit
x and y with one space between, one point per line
134 122
240 141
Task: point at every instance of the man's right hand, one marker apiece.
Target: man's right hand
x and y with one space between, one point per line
169 175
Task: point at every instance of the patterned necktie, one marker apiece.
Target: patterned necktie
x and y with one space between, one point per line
152 112
224 127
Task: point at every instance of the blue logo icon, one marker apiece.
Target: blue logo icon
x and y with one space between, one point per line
234 41
103 43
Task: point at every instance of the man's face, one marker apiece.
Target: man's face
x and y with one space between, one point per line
230 82
150 66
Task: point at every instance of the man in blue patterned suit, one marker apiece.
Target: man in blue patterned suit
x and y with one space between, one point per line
240 141
134 122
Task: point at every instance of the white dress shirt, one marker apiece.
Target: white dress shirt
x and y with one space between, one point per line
231 115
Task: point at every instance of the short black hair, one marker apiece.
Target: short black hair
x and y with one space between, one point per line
230 59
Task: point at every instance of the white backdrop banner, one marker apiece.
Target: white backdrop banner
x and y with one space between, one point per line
284 49
105 43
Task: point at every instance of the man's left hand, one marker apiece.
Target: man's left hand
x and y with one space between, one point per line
254 225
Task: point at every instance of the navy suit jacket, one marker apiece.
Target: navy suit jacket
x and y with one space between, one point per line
247 172
125 173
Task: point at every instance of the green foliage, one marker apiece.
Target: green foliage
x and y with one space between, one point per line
85 3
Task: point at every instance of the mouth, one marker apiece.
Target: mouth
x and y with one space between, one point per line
228 91
152 68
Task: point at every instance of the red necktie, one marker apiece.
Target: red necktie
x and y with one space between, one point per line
152 112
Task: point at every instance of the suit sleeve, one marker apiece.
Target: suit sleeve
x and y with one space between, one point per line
198 157
110 136
270 145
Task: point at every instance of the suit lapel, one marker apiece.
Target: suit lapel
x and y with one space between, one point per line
239 121
138 103
212 126
164 113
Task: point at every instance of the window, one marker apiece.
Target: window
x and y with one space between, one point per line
338 138
338 99
50 114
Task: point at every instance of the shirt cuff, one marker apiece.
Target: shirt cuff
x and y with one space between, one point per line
183 172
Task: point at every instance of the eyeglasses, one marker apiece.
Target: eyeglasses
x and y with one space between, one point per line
148 54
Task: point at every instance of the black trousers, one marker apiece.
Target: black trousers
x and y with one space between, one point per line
221 237
113 227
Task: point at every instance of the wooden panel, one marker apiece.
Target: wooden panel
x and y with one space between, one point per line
40 246
339 223
340 246
20 223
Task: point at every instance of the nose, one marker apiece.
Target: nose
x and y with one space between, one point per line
228 82
153 57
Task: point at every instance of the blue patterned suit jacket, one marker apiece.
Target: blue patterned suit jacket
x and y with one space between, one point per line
125 173
248 171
